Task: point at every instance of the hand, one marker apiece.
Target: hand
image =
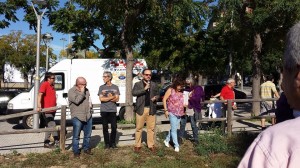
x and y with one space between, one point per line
39 109
153 98
82 88
166 114
147 86
234 107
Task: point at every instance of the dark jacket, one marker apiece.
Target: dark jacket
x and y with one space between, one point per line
139 91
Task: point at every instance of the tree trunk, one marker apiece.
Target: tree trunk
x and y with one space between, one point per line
256 73
129 66
129 115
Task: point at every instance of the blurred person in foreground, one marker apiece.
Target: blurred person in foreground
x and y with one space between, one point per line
279 145
174 109
80 107
195 96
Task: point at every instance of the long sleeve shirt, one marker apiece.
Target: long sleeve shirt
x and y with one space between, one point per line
196 97
277 146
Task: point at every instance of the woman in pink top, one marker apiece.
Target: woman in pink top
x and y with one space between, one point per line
174 109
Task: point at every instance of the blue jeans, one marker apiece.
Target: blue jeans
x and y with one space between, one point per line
193 119
174 121
87 130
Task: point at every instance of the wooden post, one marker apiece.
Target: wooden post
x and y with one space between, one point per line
229 117
63 128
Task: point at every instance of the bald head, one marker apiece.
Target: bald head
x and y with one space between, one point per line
80 81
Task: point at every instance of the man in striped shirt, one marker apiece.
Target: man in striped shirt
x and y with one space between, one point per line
267 90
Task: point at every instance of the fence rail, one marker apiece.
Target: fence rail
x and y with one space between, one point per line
62 128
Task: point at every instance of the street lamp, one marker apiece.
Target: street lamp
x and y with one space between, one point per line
63 40
47 38
37 72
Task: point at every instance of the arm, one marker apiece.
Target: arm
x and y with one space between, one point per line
39 103
166 96
138 89
107 98
156 93
76 97
115 99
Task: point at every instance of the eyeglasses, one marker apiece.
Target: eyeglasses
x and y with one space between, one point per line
83 84
105 76
147 74
52 78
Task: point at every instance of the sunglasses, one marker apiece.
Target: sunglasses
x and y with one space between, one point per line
105 76
147 74
52 78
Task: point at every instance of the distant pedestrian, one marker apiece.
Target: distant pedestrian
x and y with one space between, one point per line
147 95
81 113
47 99
268 90
196 95
109 95
173 102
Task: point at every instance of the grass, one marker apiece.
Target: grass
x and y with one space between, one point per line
214 150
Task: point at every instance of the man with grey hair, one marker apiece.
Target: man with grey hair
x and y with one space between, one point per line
278 146
109 95
80 107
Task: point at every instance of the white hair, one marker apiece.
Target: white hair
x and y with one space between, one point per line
229 80
292 48
190 80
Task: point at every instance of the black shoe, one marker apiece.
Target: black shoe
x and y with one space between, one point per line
47 145
76 155
114 146
106 146
88 152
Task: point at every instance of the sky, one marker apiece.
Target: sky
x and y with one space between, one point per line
56 44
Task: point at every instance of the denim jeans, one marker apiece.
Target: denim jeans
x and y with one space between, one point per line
193 119
174 121
112 118
87 130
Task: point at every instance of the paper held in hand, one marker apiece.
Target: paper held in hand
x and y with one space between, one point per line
189 112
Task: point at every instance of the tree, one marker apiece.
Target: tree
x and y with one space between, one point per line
20 51
263 25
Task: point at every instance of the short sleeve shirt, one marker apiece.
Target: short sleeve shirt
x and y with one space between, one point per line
49 95
227 93
104 90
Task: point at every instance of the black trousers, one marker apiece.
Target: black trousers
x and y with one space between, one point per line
109 117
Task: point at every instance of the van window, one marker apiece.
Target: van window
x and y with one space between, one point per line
59 81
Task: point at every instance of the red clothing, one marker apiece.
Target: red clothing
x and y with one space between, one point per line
227 93
49 95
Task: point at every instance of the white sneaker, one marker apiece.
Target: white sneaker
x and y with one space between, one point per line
166 143
177 149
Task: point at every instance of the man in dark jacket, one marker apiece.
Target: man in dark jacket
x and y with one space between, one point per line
147 95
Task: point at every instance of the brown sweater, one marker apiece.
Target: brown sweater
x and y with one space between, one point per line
79 104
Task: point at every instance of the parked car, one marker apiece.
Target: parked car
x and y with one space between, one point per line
211 90
5 96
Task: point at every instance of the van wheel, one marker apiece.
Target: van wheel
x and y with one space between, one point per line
27 122
121 114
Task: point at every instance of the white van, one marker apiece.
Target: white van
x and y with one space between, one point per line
66 72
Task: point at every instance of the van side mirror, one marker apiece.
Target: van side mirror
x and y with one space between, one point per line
65 95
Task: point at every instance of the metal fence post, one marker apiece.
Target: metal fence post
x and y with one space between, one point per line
63 128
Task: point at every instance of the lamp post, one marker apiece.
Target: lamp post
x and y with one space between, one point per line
37 72
47 38
63 40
